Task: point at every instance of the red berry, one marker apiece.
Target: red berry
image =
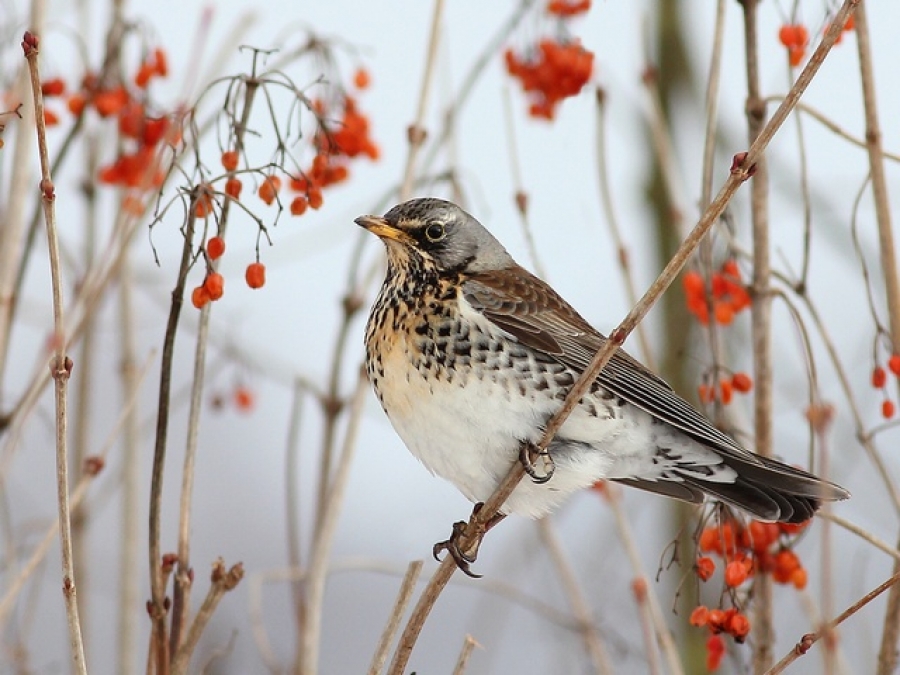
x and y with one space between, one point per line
879 377
894 364
256 275
215 247
887 409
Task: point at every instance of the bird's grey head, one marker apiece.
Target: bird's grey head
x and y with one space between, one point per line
440 232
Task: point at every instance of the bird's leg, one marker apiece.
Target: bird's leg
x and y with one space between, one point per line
465 540
538 463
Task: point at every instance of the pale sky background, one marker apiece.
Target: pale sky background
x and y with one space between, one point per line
395 510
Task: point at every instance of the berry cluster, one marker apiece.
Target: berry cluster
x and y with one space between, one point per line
758 548
725 388
568 8
879 381
729 296
553 72
795 37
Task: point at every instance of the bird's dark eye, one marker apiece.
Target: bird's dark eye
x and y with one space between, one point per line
435 232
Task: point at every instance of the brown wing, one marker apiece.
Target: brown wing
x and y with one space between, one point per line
535 315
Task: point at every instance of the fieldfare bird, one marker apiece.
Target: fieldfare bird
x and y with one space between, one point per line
470 355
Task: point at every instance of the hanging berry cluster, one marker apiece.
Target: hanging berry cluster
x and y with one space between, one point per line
728 293
342 134
555 68
879 381
795 37
140 132
744 552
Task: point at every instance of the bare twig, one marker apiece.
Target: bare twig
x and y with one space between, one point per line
182 580
61 364
390 629
321 550
808 640
464 654
593 642
221 582
877 542
761 317
416 132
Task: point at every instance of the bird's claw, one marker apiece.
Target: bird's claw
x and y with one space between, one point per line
462 555
538 463
465 540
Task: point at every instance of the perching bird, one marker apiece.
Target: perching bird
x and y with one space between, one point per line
470 355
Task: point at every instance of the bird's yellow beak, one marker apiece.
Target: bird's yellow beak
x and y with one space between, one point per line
381 227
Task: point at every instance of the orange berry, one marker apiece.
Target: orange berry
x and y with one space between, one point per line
54 87
76 104
762 535
143 75
215 247
716 620
298 206
51 119
799 578
204 204
887 409
315 197
736 573
256 275
230 160
214 285
155 129
725 391
161 62
269 189
715 650
796 55
361 78
879 377
111 101
200 296
705 393
243 398
741 382
705 567
738 626
724 312
794 528
700 616
233 187
709 540
894 364
693 284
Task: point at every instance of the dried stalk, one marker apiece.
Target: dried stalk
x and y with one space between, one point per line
157 608
887 653
416 132
61 364
590 636
77 497
808 640
393 624
464 654
321 549
182 579
221 582
760 319
131 479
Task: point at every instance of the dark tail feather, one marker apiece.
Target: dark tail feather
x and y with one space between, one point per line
767 489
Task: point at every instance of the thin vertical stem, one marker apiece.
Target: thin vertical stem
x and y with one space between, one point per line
61 364
761 316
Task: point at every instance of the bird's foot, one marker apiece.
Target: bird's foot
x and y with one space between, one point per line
465 540
538 463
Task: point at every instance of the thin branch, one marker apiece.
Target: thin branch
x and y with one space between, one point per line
321 550
464 654
808 640
416 132
221 582
593 642
61 364
404 595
